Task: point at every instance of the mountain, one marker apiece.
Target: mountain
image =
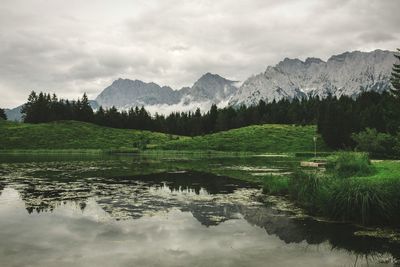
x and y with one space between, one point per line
209 89
124 93
350 74
14 114
347 74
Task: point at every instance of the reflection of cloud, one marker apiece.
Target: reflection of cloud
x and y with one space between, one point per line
175 239
166 219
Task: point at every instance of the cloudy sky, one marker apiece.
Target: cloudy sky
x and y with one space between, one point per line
74 46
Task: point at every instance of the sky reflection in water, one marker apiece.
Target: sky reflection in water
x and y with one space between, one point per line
156 220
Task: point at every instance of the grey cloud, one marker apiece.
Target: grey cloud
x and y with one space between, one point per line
376 37
69 47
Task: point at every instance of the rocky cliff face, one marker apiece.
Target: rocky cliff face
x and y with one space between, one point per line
209 89
348 74
127 93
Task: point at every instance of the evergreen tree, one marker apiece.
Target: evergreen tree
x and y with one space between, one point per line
395 80
3 114
86 111
28 110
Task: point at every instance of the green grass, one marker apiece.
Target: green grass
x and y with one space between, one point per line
275 185
347 164
71 135
271 138
67 136
351 190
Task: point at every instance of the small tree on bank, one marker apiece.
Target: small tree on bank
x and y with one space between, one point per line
395 80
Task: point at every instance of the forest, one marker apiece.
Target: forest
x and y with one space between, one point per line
342 122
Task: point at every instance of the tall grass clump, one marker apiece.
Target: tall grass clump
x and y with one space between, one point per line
347 164
351 189
362 202
275 185
308 189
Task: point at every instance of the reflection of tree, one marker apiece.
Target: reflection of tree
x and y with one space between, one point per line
127 197
2 185
130 197
339 235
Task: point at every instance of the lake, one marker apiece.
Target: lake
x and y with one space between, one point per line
165 210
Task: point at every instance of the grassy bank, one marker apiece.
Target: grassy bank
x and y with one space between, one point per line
351 189
70 136
259 138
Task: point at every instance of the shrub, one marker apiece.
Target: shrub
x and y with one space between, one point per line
346 164
377 144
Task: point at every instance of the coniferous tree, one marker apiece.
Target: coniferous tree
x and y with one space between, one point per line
395 80
3 114
337 119
29 109
86 111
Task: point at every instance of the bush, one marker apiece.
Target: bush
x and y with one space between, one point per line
380 145
346 164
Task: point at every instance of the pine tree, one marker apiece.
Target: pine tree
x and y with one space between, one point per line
86 111
3 114
395 80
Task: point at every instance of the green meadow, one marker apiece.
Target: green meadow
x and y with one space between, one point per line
72 135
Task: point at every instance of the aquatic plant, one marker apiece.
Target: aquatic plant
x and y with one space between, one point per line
360 201
275 184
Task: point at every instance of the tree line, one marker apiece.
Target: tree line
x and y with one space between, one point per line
371 120
3 115
336 118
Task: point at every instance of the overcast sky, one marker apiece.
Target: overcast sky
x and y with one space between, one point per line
75 46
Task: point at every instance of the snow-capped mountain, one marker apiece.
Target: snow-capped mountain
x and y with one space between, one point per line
209 89
348 74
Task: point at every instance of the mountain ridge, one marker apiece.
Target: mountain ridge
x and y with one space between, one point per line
348 73
207 90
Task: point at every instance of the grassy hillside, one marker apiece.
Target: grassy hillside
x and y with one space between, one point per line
71 135
259 138
79 135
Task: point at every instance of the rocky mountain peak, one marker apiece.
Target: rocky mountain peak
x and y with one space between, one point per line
349 73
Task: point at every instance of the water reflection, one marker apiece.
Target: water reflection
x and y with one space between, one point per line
87 217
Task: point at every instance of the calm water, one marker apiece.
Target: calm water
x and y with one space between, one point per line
163 211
